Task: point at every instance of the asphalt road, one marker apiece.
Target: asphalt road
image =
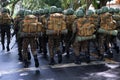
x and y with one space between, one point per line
12 69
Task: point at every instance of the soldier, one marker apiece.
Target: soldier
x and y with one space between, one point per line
43 38
83 31
69 19
5 23
56 26
29 31
17 22
107 24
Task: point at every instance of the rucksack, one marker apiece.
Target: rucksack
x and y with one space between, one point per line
31 25
5 18
56 22
107 22
69 19
85 28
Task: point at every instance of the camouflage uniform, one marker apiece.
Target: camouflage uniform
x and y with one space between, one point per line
105 39
5 29
54 41
43 38
67 40
29 39
78 32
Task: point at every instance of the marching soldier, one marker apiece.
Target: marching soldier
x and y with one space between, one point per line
17 22
56 27
5 26
107 27
43 38
29 31
83 32
69 19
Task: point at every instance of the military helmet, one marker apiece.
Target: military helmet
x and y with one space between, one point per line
53 9
111 10
98 11
89 12
59 10
105 9
46 10
27 12
79 13
69 11
117 10
21 12
41 11
5 10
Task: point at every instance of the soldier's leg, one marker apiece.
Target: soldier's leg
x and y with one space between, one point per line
20 48
76 47
86 50
24 52
33 46
51 52
44 46
3 39
101 46
8 37
114 41
40 44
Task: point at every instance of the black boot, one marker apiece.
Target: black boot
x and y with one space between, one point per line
59 58
52 61
117 49
26 64
8 49
29 56
36 61
67 55
3 47
20 56
88 58
77 60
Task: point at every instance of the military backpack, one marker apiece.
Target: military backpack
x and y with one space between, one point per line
31 25
85 27
56 22
107 22
5 18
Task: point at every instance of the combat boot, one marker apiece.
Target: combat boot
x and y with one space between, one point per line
26 63
20 57
8 49
29 56
87 58
45 53
59 58
3 47
36 61
77 60
52 61
117 49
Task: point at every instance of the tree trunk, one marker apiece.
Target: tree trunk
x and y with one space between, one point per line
102 3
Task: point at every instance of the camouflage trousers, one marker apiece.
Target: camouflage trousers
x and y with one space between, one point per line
5 30
43 43
68 41
33 46
54 42
82 46
105 43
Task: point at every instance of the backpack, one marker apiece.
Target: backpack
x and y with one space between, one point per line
107 22
69 19
5 18
31 25
85 28
56 22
